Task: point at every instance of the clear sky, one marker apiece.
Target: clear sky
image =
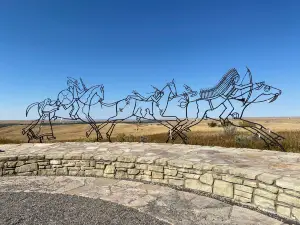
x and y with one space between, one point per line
129 45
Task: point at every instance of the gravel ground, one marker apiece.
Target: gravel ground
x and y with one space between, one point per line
39 208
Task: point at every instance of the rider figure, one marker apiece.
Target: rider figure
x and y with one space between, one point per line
73 87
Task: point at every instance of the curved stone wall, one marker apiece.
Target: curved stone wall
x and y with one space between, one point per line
273 193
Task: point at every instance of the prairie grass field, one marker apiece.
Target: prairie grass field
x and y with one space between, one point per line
202 134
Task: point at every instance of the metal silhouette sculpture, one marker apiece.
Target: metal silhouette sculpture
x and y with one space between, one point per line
226 93
78 99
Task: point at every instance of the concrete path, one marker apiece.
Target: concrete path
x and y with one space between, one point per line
42 209
163 203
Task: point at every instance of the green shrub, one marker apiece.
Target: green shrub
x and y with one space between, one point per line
212 124
121 137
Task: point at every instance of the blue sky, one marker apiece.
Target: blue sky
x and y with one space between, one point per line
129 45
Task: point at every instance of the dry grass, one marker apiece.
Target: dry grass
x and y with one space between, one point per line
201 134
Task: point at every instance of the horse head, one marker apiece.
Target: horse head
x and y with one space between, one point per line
173 91
261 92
158 93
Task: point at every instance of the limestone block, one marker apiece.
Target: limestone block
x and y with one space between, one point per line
270 188
5 158
232 179
194 171
296 213
294 201
197 185
264 202
82 163
157 175
42 163
73 173
92 163
121 175
191 176
37 157
290 192
46 172
124 165
147 159
156 168
109 169
55 162
54 155
243 188
284 211
223 188
170 172
203 166
180 163
244 173
128 159
221 169
87 156
62 171
242 199
25 174
11 164
289 183
147 172
23 157
133 171
108 158
161 161
162 181
31 161
176 182
207 178
243 194
268 178
109 175
141 166
100 166
265 194
27 168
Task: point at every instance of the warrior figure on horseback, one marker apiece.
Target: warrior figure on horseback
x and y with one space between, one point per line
76 91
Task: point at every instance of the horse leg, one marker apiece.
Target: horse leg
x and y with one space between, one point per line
112 127
224 116
194 122
31 125
96 129
110 131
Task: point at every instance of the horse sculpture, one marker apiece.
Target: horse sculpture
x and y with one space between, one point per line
139 107
198 106
66 99
211 99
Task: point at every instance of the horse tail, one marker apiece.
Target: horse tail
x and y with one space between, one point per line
30 106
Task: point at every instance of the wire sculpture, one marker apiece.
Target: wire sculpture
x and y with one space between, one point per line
79 99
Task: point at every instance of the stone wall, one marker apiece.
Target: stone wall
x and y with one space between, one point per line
268 192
